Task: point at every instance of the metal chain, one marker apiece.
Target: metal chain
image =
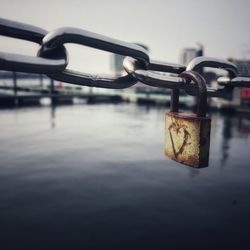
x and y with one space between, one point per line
29 64
55 39
52 60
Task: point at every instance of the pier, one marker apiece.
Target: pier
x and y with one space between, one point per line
21 89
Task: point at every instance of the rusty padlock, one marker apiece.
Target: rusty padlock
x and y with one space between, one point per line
187 135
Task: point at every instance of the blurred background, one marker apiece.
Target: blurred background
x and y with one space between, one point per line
84 168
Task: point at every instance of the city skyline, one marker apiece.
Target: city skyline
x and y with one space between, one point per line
166 27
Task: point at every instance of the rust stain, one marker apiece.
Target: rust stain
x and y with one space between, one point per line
187 139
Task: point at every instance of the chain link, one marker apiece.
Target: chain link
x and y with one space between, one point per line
29 64
52 60
201 62
55 39
22 31
242 82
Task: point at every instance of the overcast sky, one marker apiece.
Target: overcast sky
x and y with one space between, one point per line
165 26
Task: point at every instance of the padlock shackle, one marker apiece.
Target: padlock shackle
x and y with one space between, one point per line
174 101
202 90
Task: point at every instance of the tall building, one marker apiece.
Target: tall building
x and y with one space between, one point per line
117 61
243 67
117 64
187 54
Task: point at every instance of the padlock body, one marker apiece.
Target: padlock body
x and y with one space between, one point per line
187 138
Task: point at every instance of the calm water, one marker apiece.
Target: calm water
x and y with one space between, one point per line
95 177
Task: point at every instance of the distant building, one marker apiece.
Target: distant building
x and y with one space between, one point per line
244 70
117 64
117 61
243 67
188 54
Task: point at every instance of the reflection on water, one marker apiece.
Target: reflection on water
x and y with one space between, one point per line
234 126
95 177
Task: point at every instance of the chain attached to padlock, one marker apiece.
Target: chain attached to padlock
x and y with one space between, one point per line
187 135
52 59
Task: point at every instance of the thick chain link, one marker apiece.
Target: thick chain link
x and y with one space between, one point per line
52 60
55 39
29 64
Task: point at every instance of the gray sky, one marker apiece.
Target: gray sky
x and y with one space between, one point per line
165 26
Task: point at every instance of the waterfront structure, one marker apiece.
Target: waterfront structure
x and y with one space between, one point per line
244 70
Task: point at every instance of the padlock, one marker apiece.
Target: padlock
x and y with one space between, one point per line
187 135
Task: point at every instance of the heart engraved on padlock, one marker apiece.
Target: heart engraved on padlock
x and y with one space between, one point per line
187 135
180 132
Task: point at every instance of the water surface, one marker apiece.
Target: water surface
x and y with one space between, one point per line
95 177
